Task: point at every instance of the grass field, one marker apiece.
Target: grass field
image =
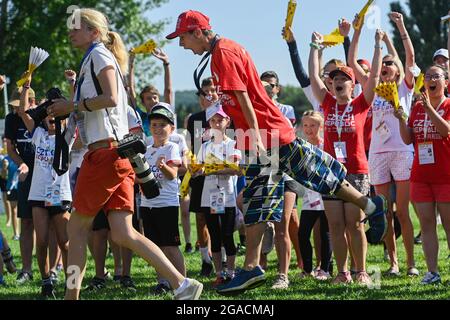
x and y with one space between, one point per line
403 287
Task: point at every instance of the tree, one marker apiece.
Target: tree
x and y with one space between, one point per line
294 96
424 27
43 23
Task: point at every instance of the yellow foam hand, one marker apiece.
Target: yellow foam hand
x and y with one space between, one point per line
389 92
363 13
419 83
292 5
333 39
147 47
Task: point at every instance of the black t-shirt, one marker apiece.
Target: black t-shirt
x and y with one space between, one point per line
16 131
197 125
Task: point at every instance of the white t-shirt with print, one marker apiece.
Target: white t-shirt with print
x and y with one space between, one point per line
43 174
287 111
97 125
174 137
382 110
225 150
168 194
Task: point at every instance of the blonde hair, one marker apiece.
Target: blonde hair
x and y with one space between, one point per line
398 63
315 115
94 19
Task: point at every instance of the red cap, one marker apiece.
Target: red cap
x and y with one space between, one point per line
365 62
345 70
188 21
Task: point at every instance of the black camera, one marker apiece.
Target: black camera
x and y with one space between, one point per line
40 112
133 148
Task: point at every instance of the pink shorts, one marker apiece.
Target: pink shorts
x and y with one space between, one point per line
395 163
429 192
105 182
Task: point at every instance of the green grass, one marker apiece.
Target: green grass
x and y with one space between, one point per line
403 287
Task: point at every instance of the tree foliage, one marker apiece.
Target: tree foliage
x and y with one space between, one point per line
43 23
424 27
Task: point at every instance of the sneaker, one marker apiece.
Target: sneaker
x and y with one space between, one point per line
363 278
322 275
393 272
53 278
47 289
281 282
413 272
188 248
207 268
377 220
96 284
191 292
161 289
8 260
342 278
127 283
431 278
23 277
244 280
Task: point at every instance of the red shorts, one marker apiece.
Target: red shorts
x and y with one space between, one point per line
105 181
429 192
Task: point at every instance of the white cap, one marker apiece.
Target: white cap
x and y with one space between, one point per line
441 52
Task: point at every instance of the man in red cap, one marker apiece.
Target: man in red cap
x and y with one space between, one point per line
245 100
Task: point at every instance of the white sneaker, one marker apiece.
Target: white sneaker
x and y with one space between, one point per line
431 278
322 275
191 292
281 282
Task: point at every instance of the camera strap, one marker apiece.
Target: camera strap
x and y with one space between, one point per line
61 156
202 65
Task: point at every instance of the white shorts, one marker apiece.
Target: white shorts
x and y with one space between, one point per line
383 165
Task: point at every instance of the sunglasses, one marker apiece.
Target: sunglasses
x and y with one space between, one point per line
435 77
51 121
326 75
272 85
388 63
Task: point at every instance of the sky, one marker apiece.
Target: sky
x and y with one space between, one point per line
257 24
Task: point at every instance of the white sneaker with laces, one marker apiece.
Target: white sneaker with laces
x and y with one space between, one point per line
431 278
281 282
191 292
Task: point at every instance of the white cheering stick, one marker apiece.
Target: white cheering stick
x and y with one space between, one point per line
37 56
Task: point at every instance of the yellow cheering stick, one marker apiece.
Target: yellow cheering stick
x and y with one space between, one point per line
194 166
363 13
147 47
389 92
214 164
37 56
419 83
292 5
333 39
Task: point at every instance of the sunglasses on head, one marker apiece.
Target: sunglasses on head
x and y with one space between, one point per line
388 63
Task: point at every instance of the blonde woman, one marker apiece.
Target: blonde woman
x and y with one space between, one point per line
105 181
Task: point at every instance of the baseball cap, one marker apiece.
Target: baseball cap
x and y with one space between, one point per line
345 70
214 109
441 52
15 96
162 109
188 21
365 62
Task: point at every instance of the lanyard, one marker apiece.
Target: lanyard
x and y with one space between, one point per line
198 73
427 123
81 79
339 121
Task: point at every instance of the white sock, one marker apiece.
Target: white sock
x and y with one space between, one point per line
224 254
370 207
182 286
205 255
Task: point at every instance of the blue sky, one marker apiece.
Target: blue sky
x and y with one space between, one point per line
256 24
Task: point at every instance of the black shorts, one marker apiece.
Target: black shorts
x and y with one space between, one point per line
3 185
54 210
23 190
12 195
196 194
161 225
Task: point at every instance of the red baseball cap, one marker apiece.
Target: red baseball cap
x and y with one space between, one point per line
365 62
188 21
345 70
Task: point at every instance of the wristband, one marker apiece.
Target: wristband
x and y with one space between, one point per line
377 46
314 45
166 63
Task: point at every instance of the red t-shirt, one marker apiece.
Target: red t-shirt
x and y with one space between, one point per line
232 69
352 131
439 171
368 130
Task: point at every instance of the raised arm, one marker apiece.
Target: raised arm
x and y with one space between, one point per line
407 43
24 106
344 29
300 72
374 76
131 83
360 74
168 91
318 87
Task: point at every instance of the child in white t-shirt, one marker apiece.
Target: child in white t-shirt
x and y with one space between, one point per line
160 214
219 197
